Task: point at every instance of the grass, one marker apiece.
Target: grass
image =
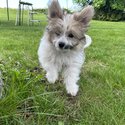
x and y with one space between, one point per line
29 100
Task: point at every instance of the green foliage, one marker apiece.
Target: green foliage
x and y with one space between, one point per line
98 3
67 10
106 9
41 10
81 2
112 16
118 4
113 4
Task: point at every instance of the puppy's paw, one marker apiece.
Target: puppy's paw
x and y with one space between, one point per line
51 77
72 89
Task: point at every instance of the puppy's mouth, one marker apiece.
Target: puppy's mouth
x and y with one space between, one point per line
63 46
66 47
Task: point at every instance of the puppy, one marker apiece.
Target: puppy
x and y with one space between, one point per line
62 46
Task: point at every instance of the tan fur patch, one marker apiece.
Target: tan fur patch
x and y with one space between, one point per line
69 27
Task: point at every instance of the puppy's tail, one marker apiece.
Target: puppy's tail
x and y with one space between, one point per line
88 41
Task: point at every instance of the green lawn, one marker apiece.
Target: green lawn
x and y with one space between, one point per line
29 100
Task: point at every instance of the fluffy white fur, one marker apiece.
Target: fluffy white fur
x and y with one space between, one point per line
67 61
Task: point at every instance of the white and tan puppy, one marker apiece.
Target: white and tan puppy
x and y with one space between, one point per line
62 46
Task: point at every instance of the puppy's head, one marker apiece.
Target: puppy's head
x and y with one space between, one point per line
66 31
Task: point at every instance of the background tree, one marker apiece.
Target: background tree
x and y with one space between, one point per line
83 2
106 9
107 4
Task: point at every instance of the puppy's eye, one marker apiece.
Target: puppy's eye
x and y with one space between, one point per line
71 35
58 34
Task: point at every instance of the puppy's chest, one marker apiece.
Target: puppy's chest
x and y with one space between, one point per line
66 59
62 59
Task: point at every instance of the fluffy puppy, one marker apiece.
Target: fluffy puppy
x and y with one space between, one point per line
62 46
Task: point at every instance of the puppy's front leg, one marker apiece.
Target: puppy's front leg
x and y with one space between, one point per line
71 76
52 73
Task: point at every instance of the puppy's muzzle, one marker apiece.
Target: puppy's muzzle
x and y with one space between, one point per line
62 45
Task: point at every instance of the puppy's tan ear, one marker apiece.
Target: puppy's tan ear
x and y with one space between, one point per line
85 15
54 9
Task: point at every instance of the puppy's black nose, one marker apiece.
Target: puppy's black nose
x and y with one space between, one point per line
61 45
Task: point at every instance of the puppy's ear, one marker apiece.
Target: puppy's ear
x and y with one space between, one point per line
54 9
85 15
